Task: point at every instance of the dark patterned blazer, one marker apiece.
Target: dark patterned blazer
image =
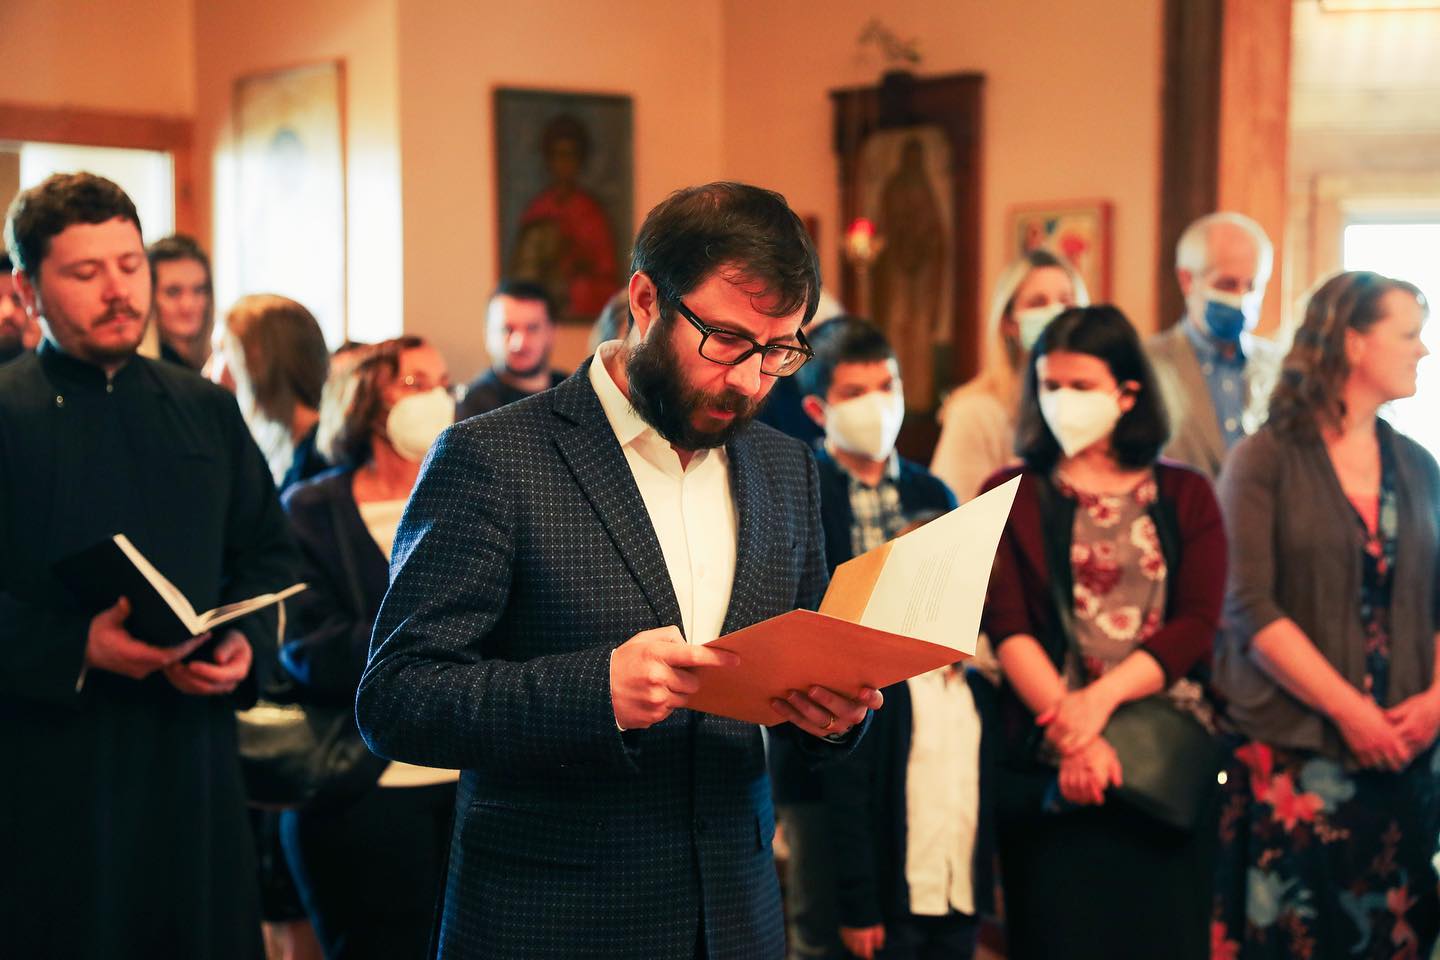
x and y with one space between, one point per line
525 556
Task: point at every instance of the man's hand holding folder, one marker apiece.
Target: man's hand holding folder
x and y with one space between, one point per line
895 612
654 674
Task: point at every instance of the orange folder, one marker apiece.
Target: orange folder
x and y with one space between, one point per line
895 612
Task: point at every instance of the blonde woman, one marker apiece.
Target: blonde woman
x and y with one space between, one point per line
977 423
271 353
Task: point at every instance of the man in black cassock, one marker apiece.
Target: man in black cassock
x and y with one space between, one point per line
122 820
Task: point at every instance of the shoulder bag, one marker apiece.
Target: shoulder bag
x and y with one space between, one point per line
309 755
1169 761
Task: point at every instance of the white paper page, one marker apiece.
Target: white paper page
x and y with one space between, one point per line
933 584
232 611
168 591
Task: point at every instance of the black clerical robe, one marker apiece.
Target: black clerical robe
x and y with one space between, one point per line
122 822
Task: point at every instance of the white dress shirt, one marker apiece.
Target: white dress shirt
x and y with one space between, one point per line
692 508
942 794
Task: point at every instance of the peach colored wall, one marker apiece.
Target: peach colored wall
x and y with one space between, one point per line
1071 108
135 56
234 38
454 53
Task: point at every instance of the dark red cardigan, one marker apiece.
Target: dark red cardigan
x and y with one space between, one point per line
1018 601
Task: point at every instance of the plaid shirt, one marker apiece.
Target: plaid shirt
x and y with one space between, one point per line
876 510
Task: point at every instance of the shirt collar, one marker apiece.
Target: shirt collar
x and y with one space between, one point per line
630 428
74 373
892 464
1207 348
624 419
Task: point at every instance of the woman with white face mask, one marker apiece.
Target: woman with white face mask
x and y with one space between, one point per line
977 423
370 870
1106 591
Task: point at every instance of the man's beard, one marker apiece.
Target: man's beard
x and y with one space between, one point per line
542 365
119 352
11 346
658 393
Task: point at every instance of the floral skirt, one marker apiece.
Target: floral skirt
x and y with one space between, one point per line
1317 862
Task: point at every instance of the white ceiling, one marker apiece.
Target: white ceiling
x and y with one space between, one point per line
1370 70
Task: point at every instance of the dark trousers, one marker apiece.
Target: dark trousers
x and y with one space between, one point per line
813 920
951 937
371 873
1106 883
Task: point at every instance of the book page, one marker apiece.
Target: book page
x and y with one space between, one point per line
168 591
933 584
233 611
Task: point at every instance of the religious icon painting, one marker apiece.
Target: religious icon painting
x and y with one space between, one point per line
905 191
565 194
1079 231
289 189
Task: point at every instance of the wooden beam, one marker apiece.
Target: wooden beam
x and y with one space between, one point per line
1189 135
1254 128
94 128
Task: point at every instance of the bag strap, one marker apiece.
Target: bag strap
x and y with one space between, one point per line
346 549
1167 531
1053 517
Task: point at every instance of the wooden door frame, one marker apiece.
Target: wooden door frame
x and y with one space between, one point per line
100 128
1225 131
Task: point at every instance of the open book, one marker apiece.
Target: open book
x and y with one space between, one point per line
895 612
159 613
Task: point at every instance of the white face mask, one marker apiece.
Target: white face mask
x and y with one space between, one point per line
1079 418
415 422
866 425
1034 320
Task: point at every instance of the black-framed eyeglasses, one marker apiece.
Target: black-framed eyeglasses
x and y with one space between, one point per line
730 347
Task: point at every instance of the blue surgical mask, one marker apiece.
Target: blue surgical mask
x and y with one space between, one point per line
1224 315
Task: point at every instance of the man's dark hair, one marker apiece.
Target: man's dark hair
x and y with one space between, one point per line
565 127
175 247
733 226
1100 331
60 201
842 339
525 290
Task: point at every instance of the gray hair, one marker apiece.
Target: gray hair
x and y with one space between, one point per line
1192 252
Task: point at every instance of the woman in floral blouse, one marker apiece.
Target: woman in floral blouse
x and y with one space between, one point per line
1084 874
1332 800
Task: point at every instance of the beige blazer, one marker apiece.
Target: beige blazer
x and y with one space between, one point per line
1195 435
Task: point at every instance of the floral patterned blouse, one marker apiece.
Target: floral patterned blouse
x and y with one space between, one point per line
1119 577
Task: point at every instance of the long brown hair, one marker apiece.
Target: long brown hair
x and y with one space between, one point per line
1311 393
178 247
353 398
277 355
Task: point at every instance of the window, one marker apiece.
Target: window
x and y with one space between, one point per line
1407 251
148 176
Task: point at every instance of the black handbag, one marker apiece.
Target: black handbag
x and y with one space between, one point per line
310 755
302 755
1169 762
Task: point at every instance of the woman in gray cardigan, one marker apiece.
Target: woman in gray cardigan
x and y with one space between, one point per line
1328 655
